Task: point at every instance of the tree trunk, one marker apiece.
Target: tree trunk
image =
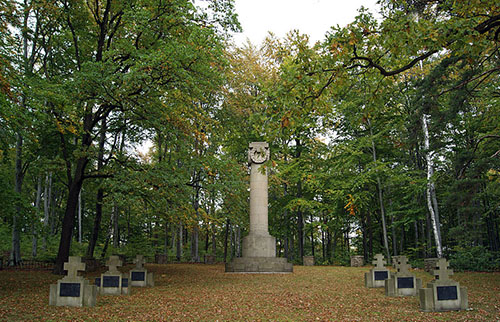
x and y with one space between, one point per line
116 227
312 237
380 198
47 198
431 201
100 194
34 223
237 244
214 244
80 217
15 252
179 243
195 257
226 237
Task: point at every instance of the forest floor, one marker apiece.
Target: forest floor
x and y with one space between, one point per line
193 292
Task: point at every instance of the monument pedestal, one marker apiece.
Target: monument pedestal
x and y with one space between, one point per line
259 256
259 265
259 247
259 244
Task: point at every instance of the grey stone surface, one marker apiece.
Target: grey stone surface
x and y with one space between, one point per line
376 276
259 247
357 261
443 294
73 290
308 260
259 265
430 264
402 282
145 278
113 274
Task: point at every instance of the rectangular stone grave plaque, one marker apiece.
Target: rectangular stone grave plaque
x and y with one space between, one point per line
138 276
69 289
380 275
405 282
111 281
445 293
97 281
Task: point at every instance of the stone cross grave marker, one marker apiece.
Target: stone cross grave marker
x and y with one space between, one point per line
442 272
73 290
377 275
402 282
402 265
73 265
139 262
443 293
113 262
379 261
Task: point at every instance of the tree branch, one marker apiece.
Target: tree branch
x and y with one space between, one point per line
381 69
490 136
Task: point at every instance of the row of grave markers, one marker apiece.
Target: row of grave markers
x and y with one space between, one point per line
74 290
441 294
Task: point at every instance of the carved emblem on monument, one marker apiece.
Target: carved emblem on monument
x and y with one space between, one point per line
258 152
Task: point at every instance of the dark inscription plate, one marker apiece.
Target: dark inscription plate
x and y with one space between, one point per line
405 282
381 275
124 282
111 281
97 281
69 289
138 276
447 293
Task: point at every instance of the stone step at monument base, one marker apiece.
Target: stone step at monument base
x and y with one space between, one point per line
259 265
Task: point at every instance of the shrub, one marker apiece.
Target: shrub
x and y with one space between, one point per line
476 258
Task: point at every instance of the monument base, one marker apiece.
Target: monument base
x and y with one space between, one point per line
259 244
259 265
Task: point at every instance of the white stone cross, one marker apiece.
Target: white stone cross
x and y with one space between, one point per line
139 262
379 261
113 263
442 272
402 265
73 265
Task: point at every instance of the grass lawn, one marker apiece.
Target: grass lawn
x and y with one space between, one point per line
187 292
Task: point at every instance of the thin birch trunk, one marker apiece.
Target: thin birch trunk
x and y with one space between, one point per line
430 187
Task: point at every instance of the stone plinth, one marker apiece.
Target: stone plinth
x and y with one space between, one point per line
259 265
210 259
402 283
430 264
259 244
161 259
259 247
443 294
308 260
376 276
139 276
73 290
357 261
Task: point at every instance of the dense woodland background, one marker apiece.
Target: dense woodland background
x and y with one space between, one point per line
385 136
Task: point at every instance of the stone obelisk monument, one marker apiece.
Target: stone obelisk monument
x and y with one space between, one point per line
259 247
